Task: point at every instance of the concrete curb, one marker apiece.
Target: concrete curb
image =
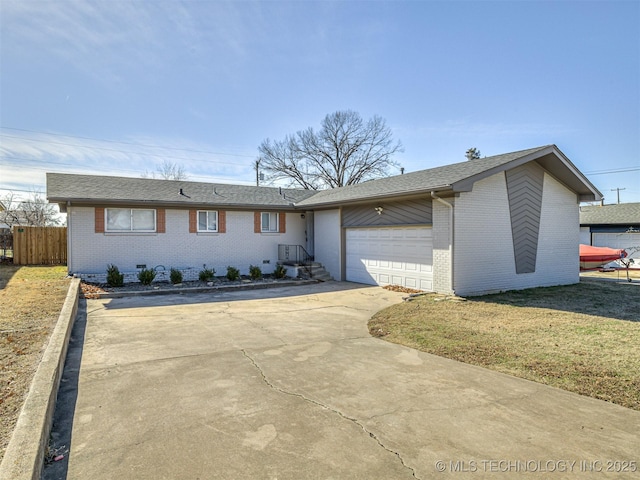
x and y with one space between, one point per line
218 288
24 457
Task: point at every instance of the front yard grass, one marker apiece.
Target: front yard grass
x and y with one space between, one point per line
30 302
584 338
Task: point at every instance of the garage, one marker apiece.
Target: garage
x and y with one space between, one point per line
613 226
616 240
628 240
390 256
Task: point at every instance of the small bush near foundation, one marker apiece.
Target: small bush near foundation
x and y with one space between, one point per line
146 276
233 273
114 277
280 271
206 274
175 276
254 272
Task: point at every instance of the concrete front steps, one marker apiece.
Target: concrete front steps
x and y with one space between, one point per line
318 271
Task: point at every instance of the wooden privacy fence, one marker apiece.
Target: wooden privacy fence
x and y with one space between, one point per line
39 245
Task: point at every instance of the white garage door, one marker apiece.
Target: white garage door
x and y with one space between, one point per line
616 240
391 256
619 240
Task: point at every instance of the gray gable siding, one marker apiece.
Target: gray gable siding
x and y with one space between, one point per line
524 189
413 212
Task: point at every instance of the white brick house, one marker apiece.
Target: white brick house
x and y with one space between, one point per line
491 224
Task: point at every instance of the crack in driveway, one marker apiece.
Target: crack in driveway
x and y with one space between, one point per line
326 407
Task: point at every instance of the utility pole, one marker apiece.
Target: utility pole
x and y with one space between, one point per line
257 167
618 191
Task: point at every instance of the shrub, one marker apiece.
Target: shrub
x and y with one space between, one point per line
254 272
280 271
206 274
175 276
233 273
114 277
146 276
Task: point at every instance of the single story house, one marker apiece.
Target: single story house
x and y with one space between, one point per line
614 226
496 223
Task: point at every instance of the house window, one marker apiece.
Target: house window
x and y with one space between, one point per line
130 220
207 221
269 222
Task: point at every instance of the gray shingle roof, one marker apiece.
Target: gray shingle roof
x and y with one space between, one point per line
620 214
455 177
458 177
109 190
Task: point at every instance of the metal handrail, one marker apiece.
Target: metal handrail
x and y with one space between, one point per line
297 254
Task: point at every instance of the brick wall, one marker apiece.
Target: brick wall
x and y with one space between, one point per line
239 247
484 256
441 242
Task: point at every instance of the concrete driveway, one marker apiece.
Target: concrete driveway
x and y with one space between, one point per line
288 384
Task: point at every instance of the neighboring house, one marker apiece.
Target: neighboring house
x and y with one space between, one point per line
496 223
614 226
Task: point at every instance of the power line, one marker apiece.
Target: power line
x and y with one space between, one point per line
619 170
124 143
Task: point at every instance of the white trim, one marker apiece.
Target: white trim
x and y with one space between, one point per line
207 212
277 222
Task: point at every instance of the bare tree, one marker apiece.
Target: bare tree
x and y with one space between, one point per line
345 151
472 154
167 171
35 211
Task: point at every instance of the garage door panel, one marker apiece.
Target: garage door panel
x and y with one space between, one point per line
616 240
426 268
398 256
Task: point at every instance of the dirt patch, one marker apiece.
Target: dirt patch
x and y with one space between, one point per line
30 302
583 338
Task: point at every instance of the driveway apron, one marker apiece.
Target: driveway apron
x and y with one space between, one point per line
288 384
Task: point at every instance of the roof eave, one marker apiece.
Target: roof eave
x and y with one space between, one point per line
373 198
156 203
571 177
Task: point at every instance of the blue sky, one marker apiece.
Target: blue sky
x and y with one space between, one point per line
119 87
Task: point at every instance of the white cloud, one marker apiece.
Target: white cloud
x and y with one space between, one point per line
25 158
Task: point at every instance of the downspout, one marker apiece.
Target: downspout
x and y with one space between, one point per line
69 267
451 230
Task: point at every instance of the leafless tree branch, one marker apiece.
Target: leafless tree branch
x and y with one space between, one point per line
345 151
35 211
